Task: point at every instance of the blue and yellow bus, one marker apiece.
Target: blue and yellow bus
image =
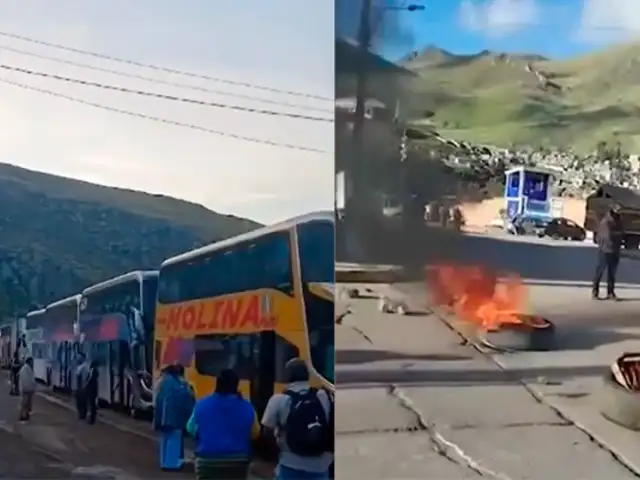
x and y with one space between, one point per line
251 303
116 327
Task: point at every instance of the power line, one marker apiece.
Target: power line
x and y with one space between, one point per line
162 120
162 96
161 82
163 69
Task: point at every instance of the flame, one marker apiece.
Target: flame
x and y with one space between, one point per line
479 295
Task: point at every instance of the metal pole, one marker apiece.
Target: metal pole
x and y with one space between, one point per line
358 170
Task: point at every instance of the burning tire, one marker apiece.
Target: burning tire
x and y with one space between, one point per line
533 333
619 404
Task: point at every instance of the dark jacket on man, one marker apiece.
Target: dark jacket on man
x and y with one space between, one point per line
609 234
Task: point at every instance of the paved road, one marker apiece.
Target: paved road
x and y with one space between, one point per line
116 447
54 443
486 404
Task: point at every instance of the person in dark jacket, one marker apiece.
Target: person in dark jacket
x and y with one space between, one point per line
82 372
91 392
609 239
16 364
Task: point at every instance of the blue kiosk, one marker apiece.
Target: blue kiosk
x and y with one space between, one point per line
526 192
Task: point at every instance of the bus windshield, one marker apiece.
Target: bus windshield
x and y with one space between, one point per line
316 249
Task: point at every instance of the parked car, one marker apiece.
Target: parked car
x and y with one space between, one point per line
525 225
563 228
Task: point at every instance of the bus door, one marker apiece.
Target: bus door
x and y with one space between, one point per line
118 358
65 365
101 353
263 369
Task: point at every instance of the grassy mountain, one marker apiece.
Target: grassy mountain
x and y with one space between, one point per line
58 235
504 99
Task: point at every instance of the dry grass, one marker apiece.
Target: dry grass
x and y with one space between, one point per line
487 98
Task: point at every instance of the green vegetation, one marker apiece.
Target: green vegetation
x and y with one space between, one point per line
493 99
59 235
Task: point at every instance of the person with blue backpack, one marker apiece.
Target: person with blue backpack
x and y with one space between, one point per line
301 418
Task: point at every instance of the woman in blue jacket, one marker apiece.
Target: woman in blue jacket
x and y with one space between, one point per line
173 404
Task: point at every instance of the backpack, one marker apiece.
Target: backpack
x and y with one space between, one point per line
307 427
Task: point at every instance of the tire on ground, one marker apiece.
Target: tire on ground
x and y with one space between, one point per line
516 337
618 404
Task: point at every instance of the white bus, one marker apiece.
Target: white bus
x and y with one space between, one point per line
63 317
116 323
35 345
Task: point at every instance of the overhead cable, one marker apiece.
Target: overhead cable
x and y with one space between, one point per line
162 96
162 82
162 120
163 69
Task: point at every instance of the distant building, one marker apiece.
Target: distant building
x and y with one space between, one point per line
373 108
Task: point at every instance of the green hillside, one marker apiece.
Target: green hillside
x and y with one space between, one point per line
59 235
494 99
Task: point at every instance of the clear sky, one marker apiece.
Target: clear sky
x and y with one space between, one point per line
555 28
282 44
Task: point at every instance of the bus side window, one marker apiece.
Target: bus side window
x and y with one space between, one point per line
214 353
276 261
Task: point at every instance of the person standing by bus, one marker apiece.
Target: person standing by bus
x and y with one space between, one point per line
223 425
15 372
173 404
305 453
90 391
28 386
82 374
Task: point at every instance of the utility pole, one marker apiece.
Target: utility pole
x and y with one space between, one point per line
357 170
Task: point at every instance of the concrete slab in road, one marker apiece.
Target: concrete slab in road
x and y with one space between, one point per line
414 402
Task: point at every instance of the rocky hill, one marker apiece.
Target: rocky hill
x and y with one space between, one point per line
502 99
58 235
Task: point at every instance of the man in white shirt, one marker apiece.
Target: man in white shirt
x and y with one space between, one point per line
27 382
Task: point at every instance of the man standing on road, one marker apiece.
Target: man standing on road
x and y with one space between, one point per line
82 374
609 238
301 419
15 372
90 390
27 382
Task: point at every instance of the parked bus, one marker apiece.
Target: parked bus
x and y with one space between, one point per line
7 342
251 303
116 324
35 344
63 316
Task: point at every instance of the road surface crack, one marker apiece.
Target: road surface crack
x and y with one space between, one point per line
443 447
529 387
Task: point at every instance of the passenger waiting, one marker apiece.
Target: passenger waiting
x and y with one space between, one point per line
301 418
90 389
223 425
27 384
173 405
16 364
82 374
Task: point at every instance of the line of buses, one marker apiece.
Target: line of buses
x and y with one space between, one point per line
249 303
